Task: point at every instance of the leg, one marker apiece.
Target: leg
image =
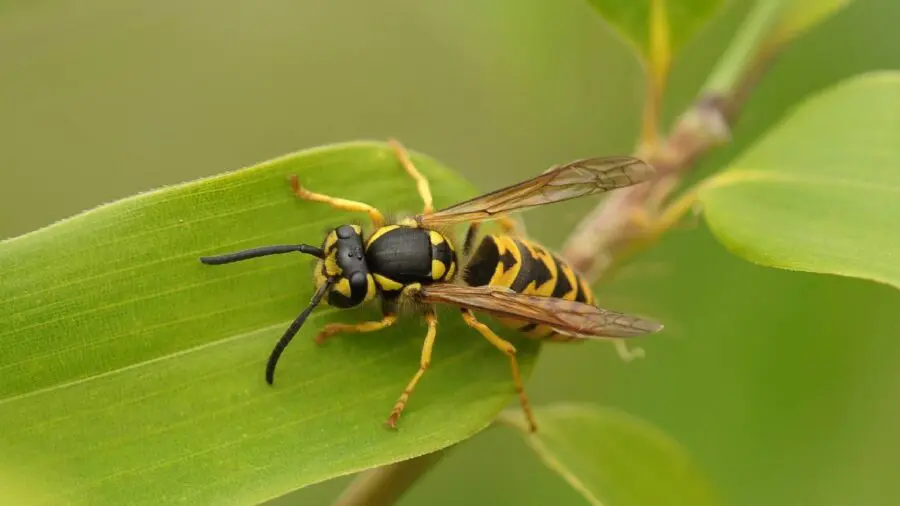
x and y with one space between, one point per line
626 354
424 362
510 351
335 328
421 181
338 203
510 226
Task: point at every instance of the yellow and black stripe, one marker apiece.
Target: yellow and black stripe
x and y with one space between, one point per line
526 267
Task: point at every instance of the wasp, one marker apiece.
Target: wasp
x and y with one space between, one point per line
519 282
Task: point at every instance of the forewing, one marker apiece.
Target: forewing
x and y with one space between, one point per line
563 182
566 317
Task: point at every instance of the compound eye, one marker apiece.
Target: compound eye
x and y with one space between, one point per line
358 282
342 296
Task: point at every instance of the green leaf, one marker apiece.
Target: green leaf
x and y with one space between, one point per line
657 29
821 191
133 374
614 459
799 16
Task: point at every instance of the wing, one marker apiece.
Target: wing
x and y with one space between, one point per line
566 317
562 182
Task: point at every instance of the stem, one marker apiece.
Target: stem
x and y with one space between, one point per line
514 420
659 59
614 227
382 486
657 67
749 42
650 121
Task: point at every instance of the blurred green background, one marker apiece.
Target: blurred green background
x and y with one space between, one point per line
781 384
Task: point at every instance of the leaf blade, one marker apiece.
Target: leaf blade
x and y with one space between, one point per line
819 192
801 16
656 29
135 373
614 459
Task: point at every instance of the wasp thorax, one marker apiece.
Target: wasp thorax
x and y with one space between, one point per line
345 261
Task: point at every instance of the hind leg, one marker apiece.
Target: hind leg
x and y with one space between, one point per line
510 351
508 225
511 226
628 354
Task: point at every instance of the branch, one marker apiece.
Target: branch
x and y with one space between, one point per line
382 486
632 217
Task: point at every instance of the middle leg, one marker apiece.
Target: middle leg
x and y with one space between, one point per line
336 328
421 181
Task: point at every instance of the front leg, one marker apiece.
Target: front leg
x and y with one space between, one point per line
338 203
336 328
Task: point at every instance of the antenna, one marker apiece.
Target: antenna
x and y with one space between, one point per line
261 252
292 331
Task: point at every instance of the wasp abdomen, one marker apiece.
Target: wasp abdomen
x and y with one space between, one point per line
525 267
398 255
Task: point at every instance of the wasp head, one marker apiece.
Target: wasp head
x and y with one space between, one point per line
343 264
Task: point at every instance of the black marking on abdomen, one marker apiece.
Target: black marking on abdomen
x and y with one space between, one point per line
581 296
532 269
483 264
470 238
529 327
563 286
507 260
